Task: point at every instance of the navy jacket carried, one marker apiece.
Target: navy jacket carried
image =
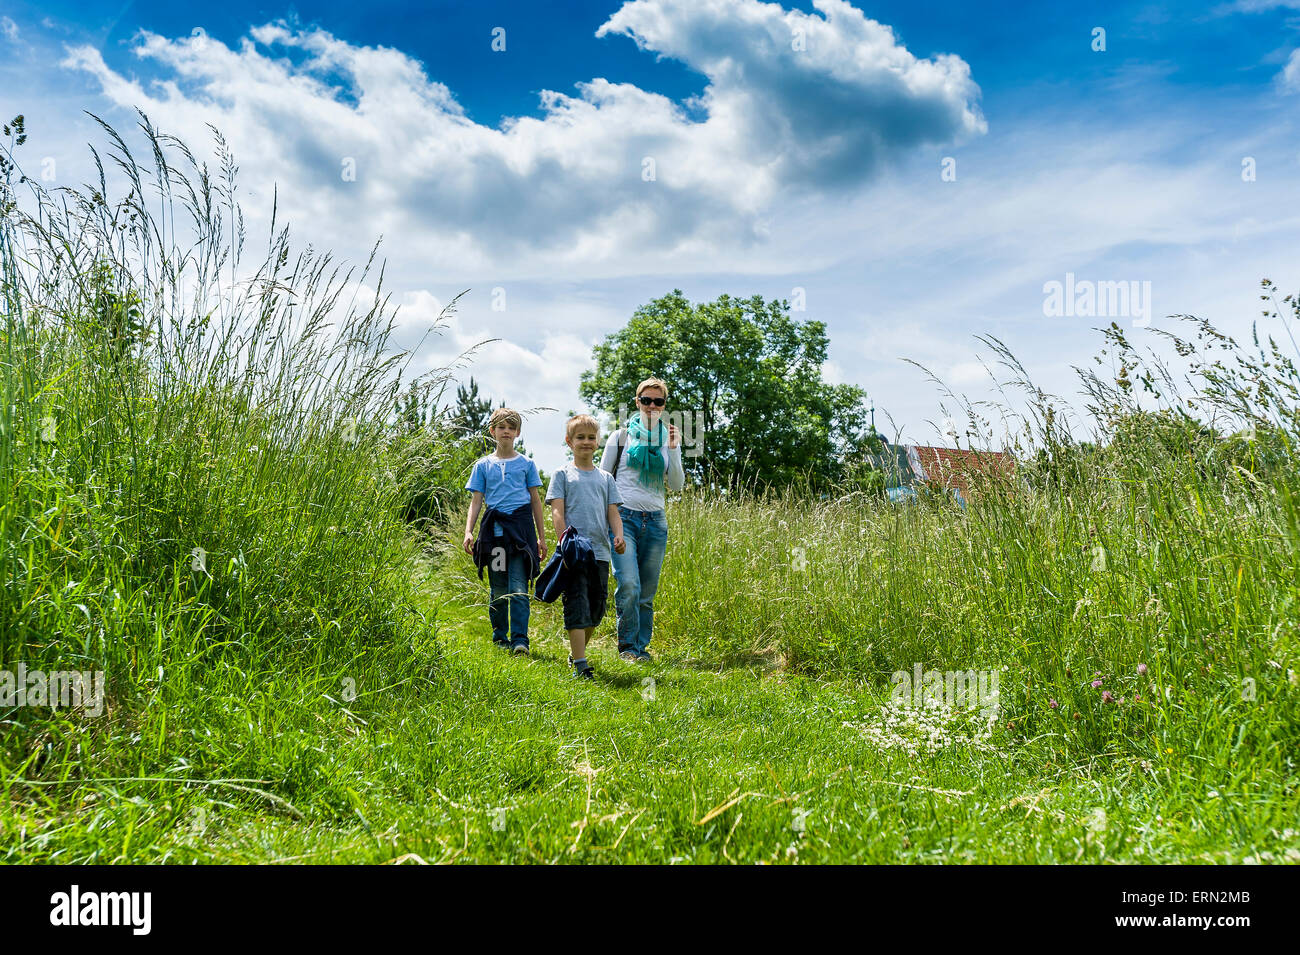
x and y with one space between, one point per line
518 532
572 550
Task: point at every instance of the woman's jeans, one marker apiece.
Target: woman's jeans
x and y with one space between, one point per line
508 610
637 571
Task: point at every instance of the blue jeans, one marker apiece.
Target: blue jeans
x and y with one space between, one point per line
637 571
508 609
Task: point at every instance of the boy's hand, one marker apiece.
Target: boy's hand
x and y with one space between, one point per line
619 546
541 550
469 543
673 436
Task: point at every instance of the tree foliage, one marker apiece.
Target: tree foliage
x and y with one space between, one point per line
750 377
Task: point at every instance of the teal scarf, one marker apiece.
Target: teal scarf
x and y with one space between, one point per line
645 452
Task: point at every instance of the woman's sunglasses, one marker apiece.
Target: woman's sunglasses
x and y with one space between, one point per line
647 400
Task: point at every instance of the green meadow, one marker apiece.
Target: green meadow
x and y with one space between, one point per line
206 495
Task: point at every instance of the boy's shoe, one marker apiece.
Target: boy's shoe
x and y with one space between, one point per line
644 657
584 672
628 655
503 643
519 646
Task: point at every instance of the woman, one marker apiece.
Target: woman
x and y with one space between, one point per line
643 457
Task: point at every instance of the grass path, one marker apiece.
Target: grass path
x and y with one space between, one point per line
748 766
459 752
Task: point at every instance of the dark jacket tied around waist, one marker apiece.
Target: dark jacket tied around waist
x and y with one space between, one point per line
572 550
518 533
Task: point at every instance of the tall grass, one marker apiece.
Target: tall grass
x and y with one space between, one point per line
1168 544
197 491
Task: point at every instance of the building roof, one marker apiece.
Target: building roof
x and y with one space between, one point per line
954 467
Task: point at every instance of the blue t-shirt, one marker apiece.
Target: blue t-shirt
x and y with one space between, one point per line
504 484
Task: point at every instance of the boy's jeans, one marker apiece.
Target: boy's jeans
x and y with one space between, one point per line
645 534
508 609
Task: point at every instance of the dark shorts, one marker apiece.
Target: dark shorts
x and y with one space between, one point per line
586 595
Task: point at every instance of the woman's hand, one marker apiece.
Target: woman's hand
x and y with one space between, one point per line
673 436
469 543
619 546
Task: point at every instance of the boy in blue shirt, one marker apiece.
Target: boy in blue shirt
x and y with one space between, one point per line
512 537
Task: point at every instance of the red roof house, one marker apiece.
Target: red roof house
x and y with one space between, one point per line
954 467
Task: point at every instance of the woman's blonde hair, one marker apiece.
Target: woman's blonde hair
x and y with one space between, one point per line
652 383
506 416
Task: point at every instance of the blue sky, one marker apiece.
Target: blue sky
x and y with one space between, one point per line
796 145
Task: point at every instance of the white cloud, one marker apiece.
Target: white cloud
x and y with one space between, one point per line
967 373
8 28
1290 75
530 355
567 189
1260 6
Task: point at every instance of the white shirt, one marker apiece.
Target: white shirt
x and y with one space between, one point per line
636 496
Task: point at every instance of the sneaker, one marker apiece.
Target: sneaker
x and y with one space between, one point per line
644 657
628 655
519 646
585 672
503 643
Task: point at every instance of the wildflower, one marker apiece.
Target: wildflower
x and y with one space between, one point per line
1106 697
1169 749
1053 704
1142 669
1137 698
1146 764
252 449
1077 716
1096 685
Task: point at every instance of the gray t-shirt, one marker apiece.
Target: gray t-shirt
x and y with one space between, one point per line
587 496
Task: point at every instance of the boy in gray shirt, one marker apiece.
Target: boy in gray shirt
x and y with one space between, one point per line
584 497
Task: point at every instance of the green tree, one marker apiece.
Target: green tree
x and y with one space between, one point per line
750 376
470 415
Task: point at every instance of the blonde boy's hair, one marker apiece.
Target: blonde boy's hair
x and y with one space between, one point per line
579 421
652 383
506 416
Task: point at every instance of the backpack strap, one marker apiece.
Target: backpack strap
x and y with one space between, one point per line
618 457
